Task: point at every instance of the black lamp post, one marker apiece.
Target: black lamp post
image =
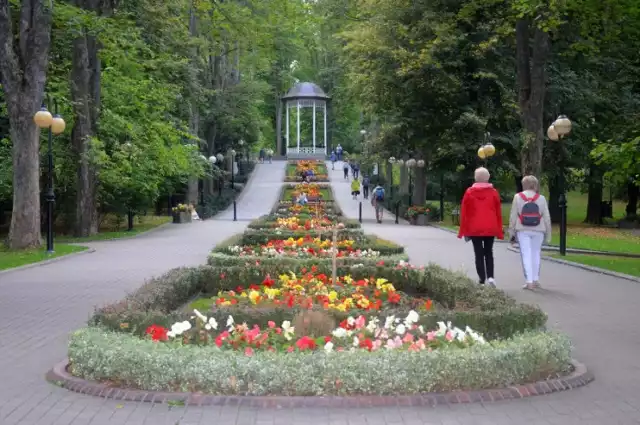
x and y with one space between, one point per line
129 209
392 161
56 125
220 160
561 127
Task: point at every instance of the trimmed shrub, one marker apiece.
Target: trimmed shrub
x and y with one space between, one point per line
100 355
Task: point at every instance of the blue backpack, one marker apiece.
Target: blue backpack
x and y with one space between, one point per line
379 194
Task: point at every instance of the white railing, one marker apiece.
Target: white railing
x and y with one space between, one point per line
307 150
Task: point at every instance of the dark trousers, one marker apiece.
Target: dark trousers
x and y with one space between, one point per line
365 191
483 249
346 173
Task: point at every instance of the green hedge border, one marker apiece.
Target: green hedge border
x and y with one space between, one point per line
137 363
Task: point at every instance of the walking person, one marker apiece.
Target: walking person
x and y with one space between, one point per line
345 168
356 170
530 226
262 155
365 186
339 151
355 188
481 222
334 158
377 201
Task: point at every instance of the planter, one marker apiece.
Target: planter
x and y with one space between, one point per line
182 217
420 220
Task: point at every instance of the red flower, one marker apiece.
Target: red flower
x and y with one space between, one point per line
428 304
327 339
221 275
158 333
239 288
268 282
305 343
367 343
314 269
393 297
254 287
380 263
271 324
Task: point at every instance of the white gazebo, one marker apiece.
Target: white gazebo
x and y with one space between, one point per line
306 95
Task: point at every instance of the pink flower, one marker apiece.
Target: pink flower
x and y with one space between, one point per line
376 345
290 349
449 336
271 324
407 338
431 335
248 351
361 322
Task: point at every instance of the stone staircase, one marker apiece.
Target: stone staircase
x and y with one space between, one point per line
302 155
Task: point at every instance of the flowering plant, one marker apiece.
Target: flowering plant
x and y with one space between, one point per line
353 334
417 210
294 223
303 247
318 290
181 208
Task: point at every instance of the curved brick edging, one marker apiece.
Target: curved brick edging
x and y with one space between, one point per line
580 377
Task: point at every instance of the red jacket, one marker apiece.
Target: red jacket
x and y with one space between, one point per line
481 212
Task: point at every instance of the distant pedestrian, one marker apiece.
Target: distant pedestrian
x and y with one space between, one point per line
345 168
481 222
339 151
365 187
530 226
356 170
355 188
334 157
377 201
262 155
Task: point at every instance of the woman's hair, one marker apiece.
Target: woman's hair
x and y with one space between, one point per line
530 183
481 175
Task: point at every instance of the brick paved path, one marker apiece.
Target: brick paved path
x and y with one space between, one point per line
39 306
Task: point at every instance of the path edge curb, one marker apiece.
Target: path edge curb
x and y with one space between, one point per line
47 262
580 376
584 267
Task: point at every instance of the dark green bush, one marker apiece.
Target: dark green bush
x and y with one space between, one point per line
486 310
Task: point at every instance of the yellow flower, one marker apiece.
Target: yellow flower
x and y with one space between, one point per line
254 296
271 292
333 295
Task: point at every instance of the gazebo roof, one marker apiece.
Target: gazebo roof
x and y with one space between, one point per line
305 91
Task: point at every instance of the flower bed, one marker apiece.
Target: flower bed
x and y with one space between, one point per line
296 168
314 191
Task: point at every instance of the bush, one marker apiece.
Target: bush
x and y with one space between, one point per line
133 362
486 310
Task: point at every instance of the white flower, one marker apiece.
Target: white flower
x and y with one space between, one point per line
400 330
179 328
200 316
211 324
412 318
288 330
421 329
388 323
339 333
356 341
328 347
351 321
230 322
373 324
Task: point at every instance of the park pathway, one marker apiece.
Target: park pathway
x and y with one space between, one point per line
40 306
598 312
261 193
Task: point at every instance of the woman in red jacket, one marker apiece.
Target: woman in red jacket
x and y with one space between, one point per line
481 221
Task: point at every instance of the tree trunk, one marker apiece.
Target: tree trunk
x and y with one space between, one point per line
278 152
85 89
404 180
632 204
23 67
594 200
194 118
420 186
531 62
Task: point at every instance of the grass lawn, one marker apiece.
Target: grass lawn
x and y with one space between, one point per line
629 266
11 259
114 229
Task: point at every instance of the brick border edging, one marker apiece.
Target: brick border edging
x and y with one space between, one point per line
578 378
592 269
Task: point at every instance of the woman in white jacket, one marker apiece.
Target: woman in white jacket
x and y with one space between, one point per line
530 225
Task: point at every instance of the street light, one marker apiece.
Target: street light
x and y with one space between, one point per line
129 148
487 150
392 161
56 125
561 127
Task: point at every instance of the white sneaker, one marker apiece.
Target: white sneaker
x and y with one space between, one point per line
491 282
528 286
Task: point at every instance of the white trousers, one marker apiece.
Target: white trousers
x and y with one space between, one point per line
530 248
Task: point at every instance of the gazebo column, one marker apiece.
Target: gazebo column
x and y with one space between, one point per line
287 108
314 126
325 128
298 126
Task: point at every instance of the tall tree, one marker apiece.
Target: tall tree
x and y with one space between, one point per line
24 57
